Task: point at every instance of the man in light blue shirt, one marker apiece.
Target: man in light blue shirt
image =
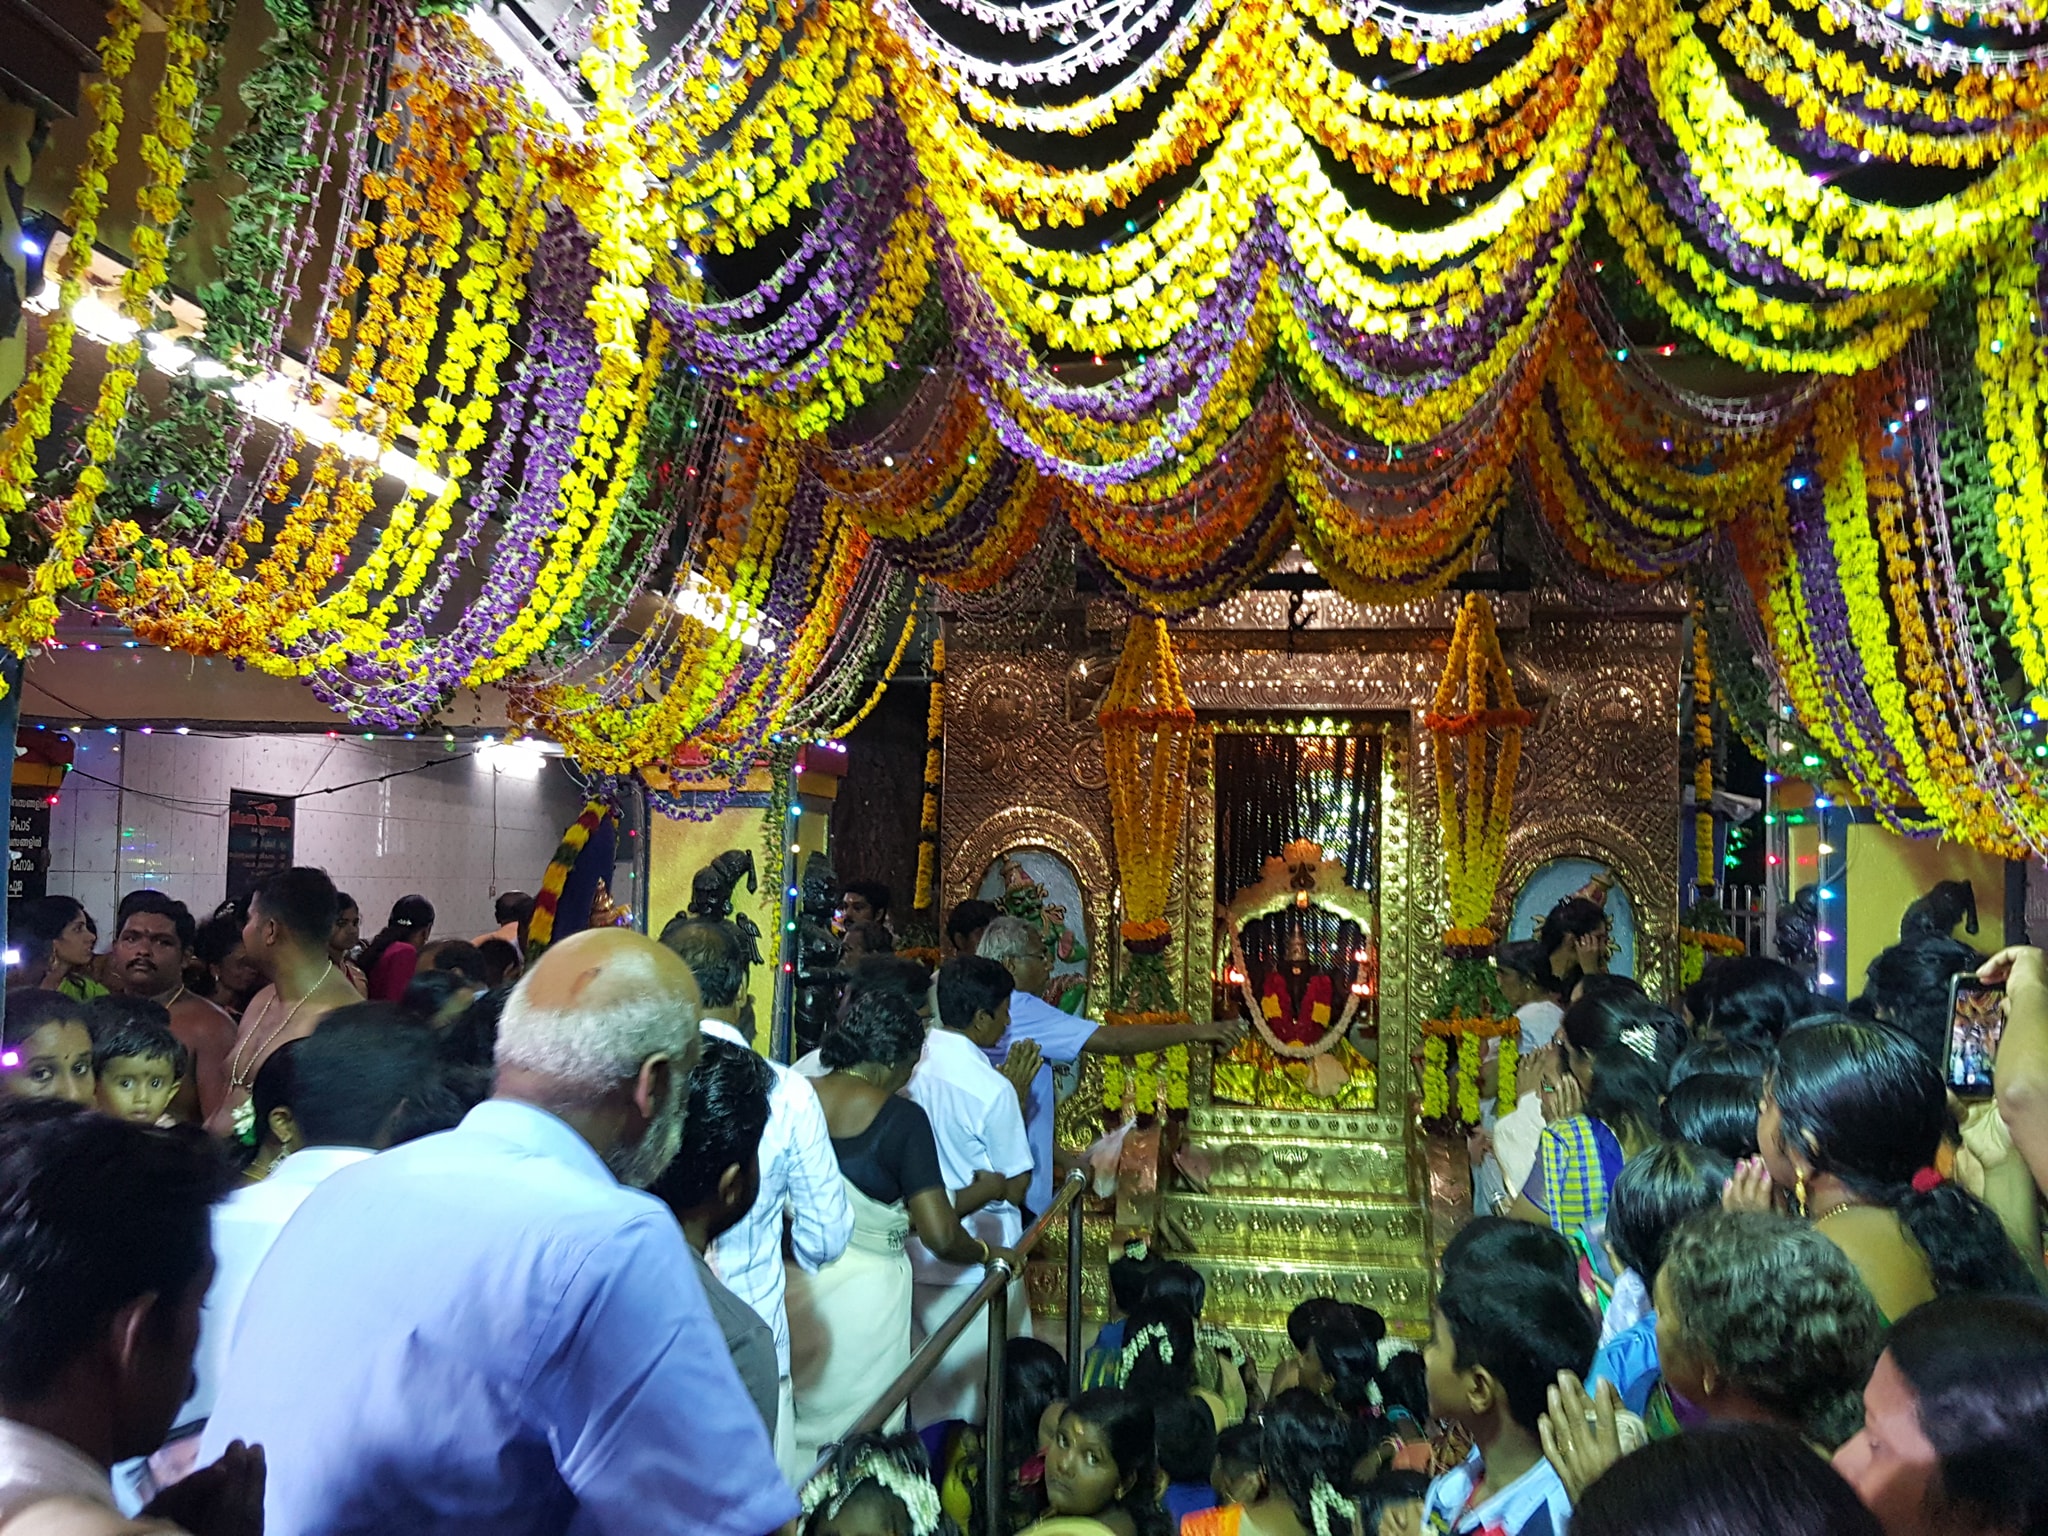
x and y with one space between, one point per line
493 1330
1062 1037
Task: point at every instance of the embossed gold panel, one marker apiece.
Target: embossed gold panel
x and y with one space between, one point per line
1259 1293
1330 1168
1223 1227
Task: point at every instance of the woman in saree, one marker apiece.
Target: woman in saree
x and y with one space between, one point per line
849 1324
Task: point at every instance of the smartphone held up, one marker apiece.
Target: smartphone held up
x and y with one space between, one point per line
1976 1018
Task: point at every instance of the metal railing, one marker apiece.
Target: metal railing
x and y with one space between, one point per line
994 1294
1750 912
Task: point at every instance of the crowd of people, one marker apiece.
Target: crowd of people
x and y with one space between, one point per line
420 1239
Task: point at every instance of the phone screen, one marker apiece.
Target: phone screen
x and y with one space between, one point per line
1976 1018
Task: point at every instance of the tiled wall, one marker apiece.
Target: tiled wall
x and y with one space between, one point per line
152 811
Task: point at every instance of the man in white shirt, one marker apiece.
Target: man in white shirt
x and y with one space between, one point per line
986 1159
1062 1037
799 1173
104 1259
350 1079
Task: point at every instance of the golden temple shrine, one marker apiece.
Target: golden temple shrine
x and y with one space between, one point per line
1298 1166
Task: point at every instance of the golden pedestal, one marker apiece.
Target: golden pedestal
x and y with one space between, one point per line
1281 1206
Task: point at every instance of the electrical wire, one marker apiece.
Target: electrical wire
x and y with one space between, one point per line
219 807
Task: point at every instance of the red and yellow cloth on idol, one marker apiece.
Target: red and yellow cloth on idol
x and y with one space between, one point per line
1297 1024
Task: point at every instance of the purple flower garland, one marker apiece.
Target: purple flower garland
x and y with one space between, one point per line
413 674
1836 661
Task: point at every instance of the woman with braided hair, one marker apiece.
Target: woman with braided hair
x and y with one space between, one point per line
1222 1368
1160 1358
875 1485
1852 1117
1307 1450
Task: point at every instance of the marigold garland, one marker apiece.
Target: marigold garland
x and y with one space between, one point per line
1148 727
540 932
1475 710
1476 723
1148 731
28 616
1215 437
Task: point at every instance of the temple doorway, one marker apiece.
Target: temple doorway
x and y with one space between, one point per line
1297 888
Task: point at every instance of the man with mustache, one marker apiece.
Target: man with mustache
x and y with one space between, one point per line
495 1329
151 947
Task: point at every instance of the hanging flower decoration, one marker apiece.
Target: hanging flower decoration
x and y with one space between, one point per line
1148 729
1703 927
1703 878
28 610
1475 724
547 901
828 303
934 750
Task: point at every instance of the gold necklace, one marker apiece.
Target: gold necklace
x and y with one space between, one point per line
1846 1205
245 1112
258 1175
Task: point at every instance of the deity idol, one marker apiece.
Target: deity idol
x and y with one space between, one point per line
1297 1004
817 952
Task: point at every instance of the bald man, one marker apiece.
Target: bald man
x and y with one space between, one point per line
494 1330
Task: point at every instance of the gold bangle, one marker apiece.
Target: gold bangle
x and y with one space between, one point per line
987 1253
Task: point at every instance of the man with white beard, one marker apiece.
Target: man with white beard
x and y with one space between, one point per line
494 1329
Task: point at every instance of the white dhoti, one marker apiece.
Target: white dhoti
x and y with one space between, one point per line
849 1328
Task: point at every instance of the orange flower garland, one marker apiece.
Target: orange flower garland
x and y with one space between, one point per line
1475 706
1148 730
1147 727
1475 709
1703 752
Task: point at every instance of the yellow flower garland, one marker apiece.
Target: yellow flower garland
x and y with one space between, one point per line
1773 203
33 398
1816 82
27 617
1147 793
1436 1078
857 354
1848 335
1837 428
1951 736
2009 367
620 211
510 218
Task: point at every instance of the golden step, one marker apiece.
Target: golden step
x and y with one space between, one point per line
1225 1226
1259 1293
1255 1295
1235 1122
1219 1162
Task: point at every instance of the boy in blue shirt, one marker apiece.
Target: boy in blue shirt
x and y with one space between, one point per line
1508 1319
